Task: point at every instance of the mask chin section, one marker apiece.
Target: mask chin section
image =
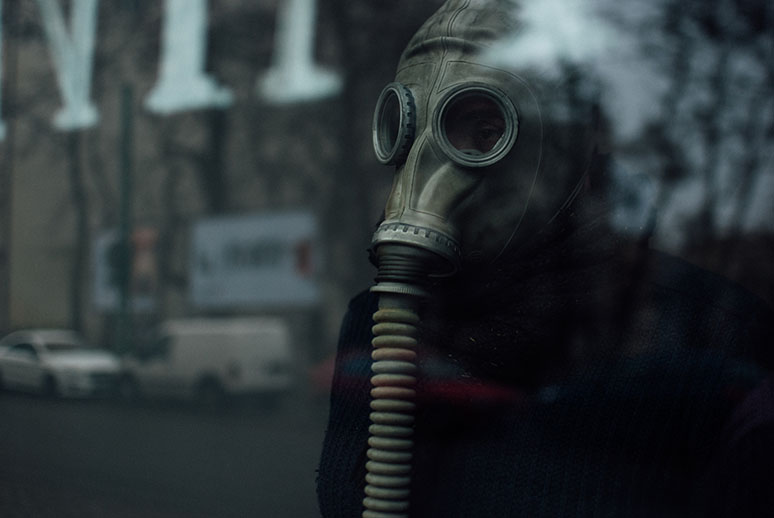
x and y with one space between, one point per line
406 269
407 252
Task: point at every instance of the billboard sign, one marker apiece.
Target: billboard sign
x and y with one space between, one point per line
260 260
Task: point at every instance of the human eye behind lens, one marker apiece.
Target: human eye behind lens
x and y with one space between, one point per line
474 126
486 134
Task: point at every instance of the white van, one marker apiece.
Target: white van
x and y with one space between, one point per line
211 359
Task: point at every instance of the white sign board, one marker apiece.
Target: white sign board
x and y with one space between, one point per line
267 260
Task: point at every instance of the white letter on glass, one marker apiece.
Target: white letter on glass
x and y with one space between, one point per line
293 75
72 55
183 84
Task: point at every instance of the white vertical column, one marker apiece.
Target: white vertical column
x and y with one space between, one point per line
182 83
293 75
72 55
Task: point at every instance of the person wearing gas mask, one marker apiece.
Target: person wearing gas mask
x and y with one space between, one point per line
522 358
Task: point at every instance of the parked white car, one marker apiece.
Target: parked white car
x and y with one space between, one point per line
56 362
211 359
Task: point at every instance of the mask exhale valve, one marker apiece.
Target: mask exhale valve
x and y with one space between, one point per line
400 284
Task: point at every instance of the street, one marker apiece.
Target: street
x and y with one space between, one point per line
82 458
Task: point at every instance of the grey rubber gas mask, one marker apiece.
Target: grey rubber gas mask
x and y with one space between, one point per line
474 176
466 140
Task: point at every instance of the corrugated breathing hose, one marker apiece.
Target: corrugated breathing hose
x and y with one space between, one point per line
400 283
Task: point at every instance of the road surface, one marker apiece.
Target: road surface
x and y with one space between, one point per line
62 458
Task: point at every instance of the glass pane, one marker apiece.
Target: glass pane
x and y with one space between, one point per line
389 122
474 124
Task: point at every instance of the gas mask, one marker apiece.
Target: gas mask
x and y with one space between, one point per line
473 178
450 126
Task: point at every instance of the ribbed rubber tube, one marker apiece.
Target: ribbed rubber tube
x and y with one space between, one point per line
392 418
401 283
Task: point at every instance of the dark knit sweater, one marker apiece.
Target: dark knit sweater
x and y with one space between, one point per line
676 421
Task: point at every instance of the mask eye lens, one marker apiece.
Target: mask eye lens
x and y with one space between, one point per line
474 125
394 124
389 122
476 128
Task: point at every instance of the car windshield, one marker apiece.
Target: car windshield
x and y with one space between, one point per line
64 347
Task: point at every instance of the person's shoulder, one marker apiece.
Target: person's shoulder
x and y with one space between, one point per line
363 301
702 286
718 308
355 330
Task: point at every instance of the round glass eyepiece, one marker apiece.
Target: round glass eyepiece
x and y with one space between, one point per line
476 126
394 124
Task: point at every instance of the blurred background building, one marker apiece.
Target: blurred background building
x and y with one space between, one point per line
216 154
